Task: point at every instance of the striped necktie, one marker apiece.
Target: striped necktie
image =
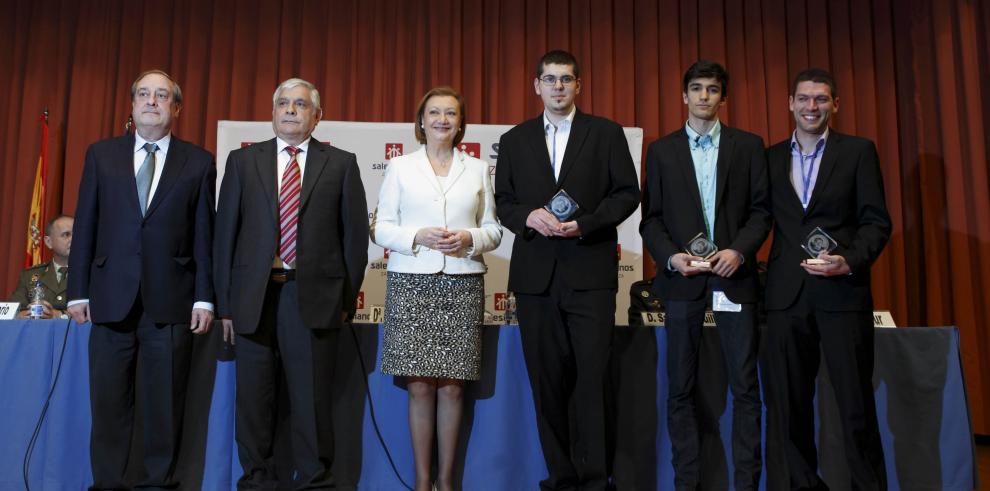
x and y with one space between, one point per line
288 209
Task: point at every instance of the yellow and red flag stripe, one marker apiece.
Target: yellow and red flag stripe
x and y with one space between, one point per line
36 218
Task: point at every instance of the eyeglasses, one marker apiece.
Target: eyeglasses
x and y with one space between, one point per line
550 80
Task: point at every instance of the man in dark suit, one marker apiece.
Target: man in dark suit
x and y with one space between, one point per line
564 273
291 249
707 178
53 275
822 178
141 271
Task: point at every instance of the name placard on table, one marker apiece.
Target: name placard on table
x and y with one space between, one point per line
881 318
8 310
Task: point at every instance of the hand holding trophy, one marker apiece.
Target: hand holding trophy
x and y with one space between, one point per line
562 206
701 246
817 242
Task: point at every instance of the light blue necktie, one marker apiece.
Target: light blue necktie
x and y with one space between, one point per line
145 175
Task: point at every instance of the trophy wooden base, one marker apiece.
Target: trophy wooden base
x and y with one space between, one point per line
816 262
701 264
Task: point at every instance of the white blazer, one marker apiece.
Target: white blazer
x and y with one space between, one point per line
412 197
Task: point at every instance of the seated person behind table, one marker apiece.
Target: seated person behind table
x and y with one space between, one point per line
58 238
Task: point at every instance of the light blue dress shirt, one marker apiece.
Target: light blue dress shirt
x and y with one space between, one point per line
704 153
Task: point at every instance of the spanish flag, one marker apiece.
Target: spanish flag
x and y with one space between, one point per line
36 218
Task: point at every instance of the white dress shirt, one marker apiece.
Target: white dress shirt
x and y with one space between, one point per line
557 136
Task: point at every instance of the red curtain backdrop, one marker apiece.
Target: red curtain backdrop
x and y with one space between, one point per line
912 75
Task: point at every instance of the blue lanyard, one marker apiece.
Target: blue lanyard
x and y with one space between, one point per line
806 176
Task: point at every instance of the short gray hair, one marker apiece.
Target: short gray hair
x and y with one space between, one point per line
314 95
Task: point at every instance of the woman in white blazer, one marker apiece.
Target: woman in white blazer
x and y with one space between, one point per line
436 214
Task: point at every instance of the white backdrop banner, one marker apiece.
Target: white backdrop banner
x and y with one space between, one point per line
376 143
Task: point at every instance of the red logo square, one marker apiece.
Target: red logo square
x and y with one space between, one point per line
500 301
472 149
360 300
392 150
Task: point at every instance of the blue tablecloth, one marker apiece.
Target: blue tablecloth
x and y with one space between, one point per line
501 448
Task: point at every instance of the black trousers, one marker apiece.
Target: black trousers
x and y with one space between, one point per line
284 350
739 339
567 339
156 357
796 339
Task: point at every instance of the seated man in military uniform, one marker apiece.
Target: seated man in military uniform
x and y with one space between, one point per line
52 275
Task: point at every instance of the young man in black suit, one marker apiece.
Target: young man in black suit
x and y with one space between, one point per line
820 178
563 271
707 178
142 272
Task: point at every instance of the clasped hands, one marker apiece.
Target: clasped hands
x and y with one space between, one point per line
547 225
448 242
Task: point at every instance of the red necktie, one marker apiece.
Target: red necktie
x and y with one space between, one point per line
288 208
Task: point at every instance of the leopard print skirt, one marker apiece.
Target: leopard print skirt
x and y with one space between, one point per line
433 325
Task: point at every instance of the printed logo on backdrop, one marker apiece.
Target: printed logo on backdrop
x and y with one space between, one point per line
501 301
380 265
360 300
392 150
470 148
622 268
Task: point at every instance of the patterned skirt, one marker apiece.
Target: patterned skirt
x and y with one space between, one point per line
433 325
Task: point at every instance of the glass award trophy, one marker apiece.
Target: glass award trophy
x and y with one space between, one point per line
817 242
702 247
562 206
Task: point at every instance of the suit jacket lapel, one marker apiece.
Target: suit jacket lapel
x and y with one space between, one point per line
422 163
538 141
725 143
686 162
50 278
175 160
266 163
829 159
125 172
579 132
316 161
456 169
779 161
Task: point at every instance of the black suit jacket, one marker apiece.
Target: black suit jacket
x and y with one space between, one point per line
332 239
597 171
165 254
848 203
674 215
